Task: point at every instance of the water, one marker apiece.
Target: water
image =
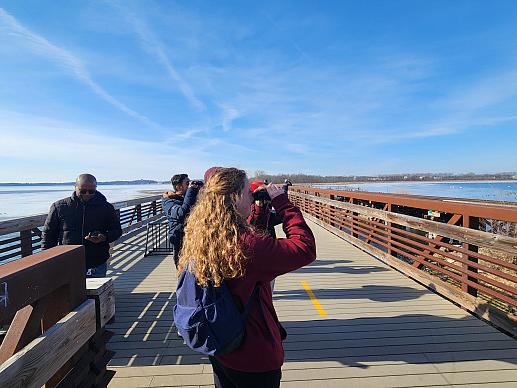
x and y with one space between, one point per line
21 201
487 190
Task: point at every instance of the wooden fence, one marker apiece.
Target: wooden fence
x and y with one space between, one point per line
54 335
55 321
435 241
22 236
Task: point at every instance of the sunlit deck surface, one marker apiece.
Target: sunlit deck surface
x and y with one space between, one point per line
381 328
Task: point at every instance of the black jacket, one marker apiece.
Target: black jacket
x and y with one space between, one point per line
176 208
70 220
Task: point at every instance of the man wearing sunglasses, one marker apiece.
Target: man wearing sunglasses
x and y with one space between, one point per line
86 218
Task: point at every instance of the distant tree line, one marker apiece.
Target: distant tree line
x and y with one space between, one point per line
423 177
305 178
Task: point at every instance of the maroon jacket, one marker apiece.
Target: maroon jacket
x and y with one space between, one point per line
262 349
263 218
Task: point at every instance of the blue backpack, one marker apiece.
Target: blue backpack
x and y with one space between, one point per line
207 317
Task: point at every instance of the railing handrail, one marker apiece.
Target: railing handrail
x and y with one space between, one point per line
30 222
52 326
472 236
459 262
465 206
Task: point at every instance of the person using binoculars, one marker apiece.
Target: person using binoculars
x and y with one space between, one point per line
220 245
176 206
262 215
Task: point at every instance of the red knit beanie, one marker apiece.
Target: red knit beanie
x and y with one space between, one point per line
211 171
255 185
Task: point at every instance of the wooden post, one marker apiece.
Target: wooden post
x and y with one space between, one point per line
117 212
26 242
472 223
52 350
138 213
388 229
354 214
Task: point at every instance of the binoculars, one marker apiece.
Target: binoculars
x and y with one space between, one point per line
261 195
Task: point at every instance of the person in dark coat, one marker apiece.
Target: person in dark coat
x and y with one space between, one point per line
86 218
176 206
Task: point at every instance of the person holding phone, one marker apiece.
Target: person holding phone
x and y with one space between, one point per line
85 218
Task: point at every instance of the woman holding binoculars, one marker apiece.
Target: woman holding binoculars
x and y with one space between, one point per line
219 244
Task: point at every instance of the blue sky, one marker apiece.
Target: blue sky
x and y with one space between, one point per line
145 89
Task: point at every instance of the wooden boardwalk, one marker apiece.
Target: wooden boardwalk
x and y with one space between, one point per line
373 327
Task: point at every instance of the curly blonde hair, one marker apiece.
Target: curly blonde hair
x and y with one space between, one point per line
212 249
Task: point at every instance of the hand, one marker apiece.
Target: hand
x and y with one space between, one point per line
196 184
96 239
274 191
261 196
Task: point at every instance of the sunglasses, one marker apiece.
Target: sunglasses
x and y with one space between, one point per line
83 191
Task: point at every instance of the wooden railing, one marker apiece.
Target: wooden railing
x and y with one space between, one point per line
55 321
22 236
435 241
50 333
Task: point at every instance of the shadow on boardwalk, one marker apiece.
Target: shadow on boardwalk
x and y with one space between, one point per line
371 292
146 336
323 266
410 338
351 270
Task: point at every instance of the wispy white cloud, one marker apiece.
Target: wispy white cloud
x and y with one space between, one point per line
155 47
68 61
467 107
444 127
231 83
297 148
229 114
64 146
485 92
282 35
188 134
369 107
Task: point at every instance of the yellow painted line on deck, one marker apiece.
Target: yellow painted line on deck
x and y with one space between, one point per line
317 305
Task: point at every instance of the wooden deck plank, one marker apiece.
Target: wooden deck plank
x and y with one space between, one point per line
381 329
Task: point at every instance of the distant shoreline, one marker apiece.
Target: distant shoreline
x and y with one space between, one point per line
146 182
407 181
111 183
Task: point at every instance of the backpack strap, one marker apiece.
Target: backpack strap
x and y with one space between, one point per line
249 304
255 295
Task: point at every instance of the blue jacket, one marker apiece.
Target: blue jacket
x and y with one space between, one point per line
177 207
